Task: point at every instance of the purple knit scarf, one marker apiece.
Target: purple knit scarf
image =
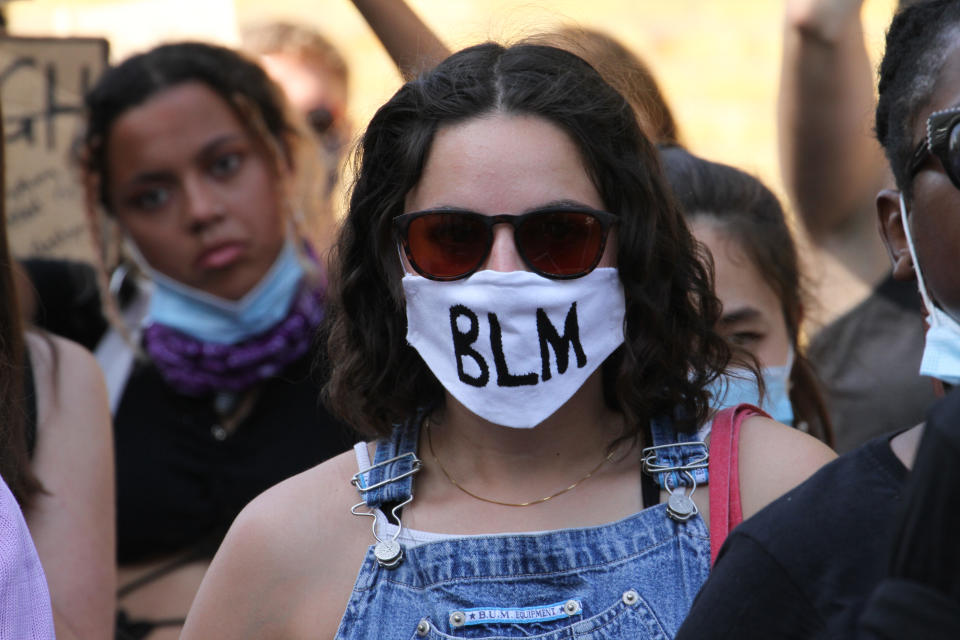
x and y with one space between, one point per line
195 368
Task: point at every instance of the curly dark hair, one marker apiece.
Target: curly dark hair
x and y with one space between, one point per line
670 351
240 82
752 216
917 45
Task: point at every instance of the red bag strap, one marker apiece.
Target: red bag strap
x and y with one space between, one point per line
726 511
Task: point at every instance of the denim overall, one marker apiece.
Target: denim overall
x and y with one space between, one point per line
635 578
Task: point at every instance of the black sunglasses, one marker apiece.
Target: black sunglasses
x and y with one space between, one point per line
943 141
555 242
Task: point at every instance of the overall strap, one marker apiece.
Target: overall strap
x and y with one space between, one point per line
390 478
675 459
726 510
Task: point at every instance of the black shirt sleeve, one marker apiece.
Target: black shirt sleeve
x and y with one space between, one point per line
805 565
920 598
925 545
749 595
901 609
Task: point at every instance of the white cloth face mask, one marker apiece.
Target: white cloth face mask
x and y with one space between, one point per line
513 347
941 349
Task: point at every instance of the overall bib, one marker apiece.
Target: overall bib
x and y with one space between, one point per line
631 579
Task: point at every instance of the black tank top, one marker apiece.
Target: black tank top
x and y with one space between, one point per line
181 481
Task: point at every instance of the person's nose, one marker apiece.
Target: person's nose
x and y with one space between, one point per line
503 253
203 206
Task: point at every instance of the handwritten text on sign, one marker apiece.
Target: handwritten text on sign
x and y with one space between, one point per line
42 84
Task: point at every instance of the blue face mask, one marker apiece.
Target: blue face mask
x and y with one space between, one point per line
739 387
941 349
209 318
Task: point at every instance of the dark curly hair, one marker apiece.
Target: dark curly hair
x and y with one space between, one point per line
752 216
240 82
917 45
670 351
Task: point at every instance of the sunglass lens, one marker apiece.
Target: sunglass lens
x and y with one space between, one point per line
561 243
952 166
447 245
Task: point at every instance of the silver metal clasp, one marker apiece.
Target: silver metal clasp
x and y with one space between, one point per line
415 465
650 457
680 505
388 552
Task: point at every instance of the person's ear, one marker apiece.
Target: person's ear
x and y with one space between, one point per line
893 234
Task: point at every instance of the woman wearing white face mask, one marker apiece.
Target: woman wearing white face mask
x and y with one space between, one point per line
519 318
758 280
189 152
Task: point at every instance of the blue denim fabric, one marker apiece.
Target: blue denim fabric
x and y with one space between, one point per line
635 578
675 451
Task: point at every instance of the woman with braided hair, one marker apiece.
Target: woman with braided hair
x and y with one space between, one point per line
188 151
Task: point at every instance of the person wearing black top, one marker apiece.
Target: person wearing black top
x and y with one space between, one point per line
209 364
804 566
808 565
924 543
920 596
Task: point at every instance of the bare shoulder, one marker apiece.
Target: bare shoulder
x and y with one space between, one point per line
774 458
287 566
49 350
309 504
72 521
71 395
63 370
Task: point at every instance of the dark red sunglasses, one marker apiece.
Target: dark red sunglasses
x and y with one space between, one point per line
554 242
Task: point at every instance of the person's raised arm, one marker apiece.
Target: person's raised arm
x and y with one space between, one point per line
73 521
407 38
831 164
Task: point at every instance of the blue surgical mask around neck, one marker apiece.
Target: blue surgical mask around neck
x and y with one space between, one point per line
210 318
941 349
739 387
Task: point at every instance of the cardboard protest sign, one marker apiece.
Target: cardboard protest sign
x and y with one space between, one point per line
42 84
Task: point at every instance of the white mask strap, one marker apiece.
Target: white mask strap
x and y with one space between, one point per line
921 285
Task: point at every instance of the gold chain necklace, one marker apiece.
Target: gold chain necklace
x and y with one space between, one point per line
508 504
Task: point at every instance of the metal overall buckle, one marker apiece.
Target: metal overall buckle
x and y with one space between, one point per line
388 552
680 505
